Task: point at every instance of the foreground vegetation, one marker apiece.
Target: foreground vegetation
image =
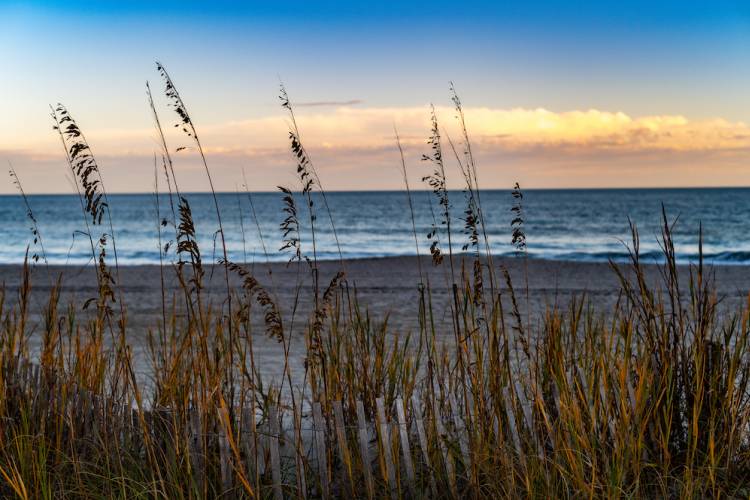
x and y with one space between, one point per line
648 399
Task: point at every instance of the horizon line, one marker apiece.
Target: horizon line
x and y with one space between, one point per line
403 190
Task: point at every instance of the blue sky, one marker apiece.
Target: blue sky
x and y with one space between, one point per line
639 58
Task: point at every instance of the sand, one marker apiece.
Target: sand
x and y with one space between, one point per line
386 286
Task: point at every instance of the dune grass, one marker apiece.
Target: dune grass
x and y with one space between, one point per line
646 399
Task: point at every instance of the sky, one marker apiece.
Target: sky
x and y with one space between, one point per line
556 94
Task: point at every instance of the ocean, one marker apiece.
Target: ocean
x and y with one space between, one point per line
578 225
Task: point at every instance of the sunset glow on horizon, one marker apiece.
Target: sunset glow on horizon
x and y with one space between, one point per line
641 97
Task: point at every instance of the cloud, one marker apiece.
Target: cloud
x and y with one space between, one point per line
354 148
572 132
321 104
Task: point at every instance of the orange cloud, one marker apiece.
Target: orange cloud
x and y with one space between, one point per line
354 148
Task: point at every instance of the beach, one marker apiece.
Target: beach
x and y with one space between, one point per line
387 288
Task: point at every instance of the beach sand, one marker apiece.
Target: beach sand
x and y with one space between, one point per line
387 287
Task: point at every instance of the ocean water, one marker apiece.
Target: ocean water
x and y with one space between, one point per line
582 225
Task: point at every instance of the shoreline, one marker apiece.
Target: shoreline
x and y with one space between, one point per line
648 258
